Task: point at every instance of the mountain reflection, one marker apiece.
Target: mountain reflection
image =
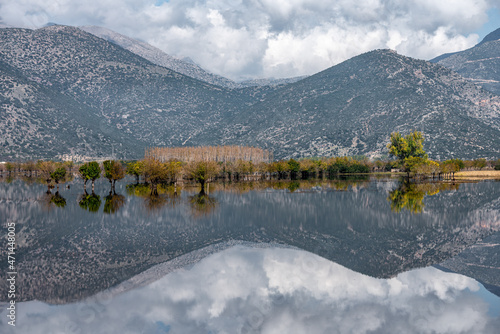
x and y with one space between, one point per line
273 290
83 249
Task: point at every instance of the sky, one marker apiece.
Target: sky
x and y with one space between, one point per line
271 291
247 39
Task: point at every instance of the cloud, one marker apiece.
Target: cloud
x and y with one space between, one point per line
264 38
245 290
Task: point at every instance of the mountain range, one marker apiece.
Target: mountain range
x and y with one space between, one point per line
67 93
480 64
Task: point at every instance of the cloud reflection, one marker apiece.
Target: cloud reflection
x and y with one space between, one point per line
273 290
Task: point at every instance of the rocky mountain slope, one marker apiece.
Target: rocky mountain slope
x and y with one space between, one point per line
480 64
35 122
120 92
352 108
186 67
86 97
158 57
482 262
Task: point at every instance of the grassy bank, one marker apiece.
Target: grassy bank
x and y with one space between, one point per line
484 174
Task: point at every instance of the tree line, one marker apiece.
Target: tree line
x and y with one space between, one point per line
203 164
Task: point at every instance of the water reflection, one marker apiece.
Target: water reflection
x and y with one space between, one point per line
58 200
113 202
91 202
50 200
273 290
66 254
164 196
410 196
202 204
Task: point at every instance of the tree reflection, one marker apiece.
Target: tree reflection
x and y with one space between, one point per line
91 202
166 195
49 200
202 204
113 202
58 200
294 185
410 196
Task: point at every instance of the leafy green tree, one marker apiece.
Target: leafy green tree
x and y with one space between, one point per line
409 150
409 146
202 171
497 165
459 163
480 163
46 169
452 166
29 167
9 167
90 171
136 169
82 171
156 172
279 167
242 167
58 175
94 172
308 167
293 167
113 171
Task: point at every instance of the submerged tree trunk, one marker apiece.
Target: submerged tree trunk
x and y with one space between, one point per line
154 189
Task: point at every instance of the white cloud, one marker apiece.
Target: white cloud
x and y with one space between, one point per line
274 291
262 38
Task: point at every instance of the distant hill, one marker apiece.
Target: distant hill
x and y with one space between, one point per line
480 64
352 108
59 81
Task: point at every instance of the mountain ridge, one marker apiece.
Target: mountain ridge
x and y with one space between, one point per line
306 107
348 109
184 66
479 64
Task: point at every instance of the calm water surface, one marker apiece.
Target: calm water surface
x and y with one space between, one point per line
343 256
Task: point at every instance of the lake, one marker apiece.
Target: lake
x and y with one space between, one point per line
351 255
